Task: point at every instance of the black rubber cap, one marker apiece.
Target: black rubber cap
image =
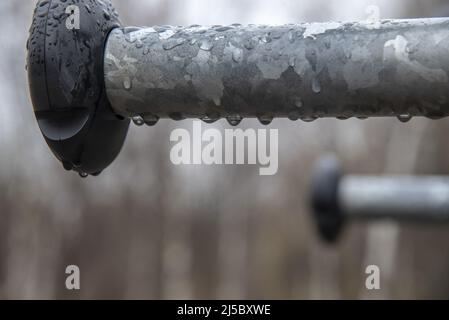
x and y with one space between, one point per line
66 79
325 184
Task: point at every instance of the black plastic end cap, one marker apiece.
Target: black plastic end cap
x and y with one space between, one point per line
66 80
325 183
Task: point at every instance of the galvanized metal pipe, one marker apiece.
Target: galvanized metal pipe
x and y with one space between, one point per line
398 198
304 71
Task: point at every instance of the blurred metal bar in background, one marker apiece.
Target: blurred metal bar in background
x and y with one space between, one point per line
337 198
400 198
304 71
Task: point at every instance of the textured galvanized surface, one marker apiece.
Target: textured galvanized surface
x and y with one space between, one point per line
305 71
398 198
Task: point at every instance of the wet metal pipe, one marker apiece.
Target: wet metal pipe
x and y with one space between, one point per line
337 198
88 75
303 71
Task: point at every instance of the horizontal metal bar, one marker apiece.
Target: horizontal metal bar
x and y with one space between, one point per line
399 198
337 198
304 71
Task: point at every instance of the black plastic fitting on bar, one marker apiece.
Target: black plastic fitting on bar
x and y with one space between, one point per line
324 198
65 72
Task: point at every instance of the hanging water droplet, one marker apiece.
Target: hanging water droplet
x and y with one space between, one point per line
234 120
316 85
308 118
176 116
83 175
151 120
293 116
265 120
206 45
67 166
209 120
127 84
138 121
151 123
405 118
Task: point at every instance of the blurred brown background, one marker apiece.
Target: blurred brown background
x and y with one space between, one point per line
147 229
